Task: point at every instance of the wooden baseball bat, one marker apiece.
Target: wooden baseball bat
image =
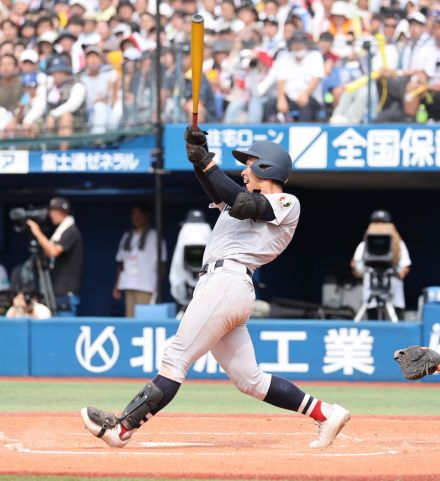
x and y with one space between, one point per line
197 43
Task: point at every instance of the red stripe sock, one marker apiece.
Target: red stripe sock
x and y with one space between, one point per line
317 414
123 431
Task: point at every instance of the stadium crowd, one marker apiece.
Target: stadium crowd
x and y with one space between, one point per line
73 65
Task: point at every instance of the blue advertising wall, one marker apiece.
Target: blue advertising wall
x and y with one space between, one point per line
399 147
380 148
313 350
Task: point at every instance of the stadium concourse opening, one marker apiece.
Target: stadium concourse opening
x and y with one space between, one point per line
335 209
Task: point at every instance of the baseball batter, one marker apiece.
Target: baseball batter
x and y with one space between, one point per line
256 223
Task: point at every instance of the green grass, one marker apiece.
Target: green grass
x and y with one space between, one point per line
411 399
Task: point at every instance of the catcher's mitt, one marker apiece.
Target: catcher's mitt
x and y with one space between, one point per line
417 362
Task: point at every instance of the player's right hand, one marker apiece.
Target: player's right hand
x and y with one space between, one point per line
195 137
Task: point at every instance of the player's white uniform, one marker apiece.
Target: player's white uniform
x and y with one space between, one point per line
215 320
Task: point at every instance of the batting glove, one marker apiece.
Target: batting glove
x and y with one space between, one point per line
196 137
198 155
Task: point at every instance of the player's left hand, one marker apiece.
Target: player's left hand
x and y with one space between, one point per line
195 137
33 226
417 362
198 155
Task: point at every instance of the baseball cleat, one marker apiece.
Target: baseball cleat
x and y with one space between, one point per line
330 428
106 426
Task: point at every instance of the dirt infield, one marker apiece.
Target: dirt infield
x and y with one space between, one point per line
378 448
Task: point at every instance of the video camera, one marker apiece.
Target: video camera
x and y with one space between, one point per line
378 251
193 257
19 216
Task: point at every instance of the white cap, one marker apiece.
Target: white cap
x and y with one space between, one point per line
166 10
132 53
417 17
81 3
341 8
402 29
29 56
122 28
49 37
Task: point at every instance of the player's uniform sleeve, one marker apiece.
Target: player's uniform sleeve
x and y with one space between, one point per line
286 208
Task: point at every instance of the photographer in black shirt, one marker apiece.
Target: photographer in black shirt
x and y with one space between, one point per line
65 251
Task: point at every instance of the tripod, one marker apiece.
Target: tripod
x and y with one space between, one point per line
41 269
380 286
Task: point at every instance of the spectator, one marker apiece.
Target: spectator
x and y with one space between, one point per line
9 30
298 75
228 16
101 82
65 249
27 306
106 10
89 35
341 27
67 43
417 66
31 107
320 22
246 101
44 24
10 92
4 281
45 48
136 273
66 100
271 39
62 9
353 103
220 75
125 10
433 106
27 32
248 15
77 8
381 223
206 100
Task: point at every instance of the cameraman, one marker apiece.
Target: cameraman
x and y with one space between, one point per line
27 306
65 250
381 223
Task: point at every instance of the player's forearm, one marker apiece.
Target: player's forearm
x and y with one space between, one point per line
207 186
225 187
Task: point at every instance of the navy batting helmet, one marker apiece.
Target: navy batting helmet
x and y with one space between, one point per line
273 161
380 216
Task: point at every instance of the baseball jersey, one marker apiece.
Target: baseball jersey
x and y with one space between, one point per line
254 243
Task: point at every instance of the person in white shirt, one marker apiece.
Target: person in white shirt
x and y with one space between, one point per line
4 281
136 273
101 82
298 76
381 223
417 64
26 306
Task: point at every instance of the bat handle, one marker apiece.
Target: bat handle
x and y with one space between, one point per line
194 121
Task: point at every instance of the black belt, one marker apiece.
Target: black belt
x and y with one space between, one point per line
220 263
